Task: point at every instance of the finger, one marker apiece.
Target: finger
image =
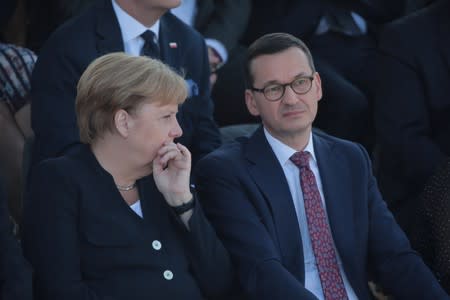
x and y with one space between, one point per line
184 150
172 154
166 147
157 166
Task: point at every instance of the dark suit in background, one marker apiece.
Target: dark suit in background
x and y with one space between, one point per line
44 16
302 17
432 226
15 272
226 21
85 242
249 202
92 34
412 107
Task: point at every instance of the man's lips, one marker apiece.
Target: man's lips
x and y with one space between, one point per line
293 113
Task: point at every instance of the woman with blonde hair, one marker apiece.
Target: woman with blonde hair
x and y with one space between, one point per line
116 218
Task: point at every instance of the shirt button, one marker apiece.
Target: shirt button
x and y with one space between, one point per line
156 245
168 275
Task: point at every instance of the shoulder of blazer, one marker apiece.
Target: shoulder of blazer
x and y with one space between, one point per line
177 28
79 161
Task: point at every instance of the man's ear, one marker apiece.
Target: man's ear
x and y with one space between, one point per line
121 122
317 86
251 103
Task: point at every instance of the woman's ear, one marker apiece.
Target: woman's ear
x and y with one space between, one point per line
121 122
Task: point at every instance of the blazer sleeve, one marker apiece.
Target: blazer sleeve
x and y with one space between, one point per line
210 261
15 272
51 241
396 265
227 203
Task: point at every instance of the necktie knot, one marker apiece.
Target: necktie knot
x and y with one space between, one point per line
148 36
150 47
300 159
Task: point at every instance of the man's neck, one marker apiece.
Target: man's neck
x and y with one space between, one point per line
297 141
147 15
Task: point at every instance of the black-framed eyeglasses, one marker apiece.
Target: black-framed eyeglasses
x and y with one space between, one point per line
274 92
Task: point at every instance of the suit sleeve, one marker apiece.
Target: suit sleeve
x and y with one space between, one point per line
53 92
15 272
228 22
51 240
228 205
398 268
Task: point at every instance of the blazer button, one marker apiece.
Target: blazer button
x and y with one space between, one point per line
156 245
168 275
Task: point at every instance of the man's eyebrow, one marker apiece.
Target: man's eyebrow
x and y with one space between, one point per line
301 74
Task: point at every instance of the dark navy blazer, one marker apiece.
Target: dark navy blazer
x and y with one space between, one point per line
248 201
85 242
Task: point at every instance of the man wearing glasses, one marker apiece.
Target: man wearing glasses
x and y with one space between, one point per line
299 210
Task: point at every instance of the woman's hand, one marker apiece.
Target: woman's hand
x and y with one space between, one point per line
171 171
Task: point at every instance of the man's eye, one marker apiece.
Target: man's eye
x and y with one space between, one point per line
300 82
274 89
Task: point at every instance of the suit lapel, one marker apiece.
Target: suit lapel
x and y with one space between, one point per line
153 207
169 43
335 177
269 177
109 36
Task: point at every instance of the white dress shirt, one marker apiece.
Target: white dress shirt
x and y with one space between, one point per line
291 171
324 27
131 31
136 207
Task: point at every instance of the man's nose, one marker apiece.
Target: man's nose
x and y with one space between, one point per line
290 97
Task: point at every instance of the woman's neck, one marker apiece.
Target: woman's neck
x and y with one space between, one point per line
113 156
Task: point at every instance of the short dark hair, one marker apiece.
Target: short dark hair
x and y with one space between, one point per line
270 44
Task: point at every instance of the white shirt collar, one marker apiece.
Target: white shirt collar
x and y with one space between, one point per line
283 152
130 27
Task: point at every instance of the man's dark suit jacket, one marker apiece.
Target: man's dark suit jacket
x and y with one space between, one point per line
412 107
15 272
96 32
247 199
301 18
224 21
85 242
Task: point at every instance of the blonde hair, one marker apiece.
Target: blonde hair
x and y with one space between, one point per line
119 81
